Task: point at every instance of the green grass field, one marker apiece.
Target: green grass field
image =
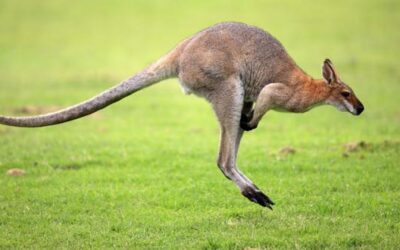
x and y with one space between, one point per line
141 174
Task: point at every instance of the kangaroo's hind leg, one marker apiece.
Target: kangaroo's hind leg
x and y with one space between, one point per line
246 112
227 102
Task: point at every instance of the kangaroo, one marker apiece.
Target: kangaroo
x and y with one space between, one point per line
243 72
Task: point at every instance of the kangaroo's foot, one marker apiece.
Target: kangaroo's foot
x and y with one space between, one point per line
255 195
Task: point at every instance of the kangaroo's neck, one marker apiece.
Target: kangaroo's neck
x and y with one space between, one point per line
307 91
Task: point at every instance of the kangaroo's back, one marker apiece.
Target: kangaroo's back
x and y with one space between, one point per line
232 48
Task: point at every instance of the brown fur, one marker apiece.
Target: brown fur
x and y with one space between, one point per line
243 72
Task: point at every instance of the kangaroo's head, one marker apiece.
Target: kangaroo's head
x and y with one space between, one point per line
341 96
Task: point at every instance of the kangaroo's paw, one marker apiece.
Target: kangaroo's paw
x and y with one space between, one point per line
255 195
246 126
245 121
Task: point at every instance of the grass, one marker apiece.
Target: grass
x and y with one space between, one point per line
142 173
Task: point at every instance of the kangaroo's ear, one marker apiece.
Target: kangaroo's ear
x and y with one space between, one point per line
329 72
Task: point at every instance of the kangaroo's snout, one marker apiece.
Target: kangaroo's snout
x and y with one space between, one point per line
359 109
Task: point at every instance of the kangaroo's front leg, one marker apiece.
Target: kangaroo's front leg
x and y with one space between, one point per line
271 96
227 103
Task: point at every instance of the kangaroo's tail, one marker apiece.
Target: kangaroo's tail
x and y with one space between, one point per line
164 68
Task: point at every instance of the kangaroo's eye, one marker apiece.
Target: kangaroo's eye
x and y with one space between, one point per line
346 94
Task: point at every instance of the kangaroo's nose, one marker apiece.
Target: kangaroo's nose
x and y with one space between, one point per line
360 109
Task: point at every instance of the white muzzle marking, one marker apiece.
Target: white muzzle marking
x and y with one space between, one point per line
350 107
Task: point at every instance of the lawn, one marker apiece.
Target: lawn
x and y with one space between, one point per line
142 173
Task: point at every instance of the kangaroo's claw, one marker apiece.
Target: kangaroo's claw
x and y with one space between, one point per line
245 126
245 120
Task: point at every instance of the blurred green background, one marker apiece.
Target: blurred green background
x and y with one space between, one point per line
142 173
